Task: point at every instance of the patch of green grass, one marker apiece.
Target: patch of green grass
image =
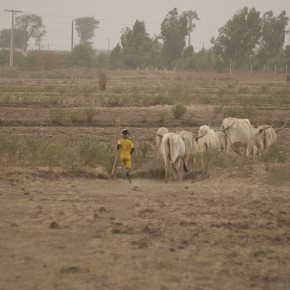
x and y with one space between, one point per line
143 149
29 151
274 155
93 153
239 112
34 152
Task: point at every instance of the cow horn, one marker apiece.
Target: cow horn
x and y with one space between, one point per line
279 129
225 129
265 128
156 134
198 137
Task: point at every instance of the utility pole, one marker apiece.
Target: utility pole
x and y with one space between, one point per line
13 12
108 45
72 35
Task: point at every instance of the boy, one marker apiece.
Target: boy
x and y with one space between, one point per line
126 149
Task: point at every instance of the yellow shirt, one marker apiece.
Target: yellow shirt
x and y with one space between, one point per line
125 146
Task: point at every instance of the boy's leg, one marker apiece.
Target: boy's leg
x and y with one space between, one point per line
128 168
126 162
128 175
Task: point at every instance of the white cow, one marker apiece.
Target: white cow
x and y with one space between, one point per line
159 135
172 149
204 129
240 134
222 139
268 135
206 142
191 149
207 139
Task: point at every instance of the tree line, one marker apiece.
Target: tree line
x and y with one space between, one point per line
247 39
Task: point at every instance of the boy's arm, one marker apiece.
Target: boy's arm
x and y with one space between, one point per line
132 148
118 144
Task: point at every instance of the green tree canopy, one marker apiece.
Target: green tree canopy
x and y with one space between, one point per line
273 34
116 56
82 55
136 43
31 26
238 38
20 40
85 28
174 29
136 48
191 15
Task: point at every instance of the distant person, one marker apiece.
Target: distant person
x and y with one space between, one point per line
288 80
126 149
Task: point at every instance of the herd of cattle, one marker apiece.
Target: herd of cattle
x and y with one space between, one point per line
179 150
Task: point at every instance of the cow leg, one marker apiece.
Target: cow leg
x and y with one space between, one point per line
178 170
167 170
202 162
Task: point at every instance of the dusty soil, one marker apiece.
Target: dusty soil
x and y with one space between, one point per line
223 232
228 229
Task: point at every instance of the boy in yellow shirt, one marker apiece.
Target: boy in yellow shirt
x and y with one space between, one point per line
126 149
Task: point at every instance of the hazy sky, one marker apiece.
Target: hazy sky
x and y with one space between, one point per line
116 15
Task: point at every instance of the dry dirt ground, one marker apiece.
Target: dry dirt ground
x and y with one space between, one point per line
229 230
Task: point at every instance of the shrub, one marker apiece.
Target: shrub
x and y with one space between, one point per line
90 113
178 110
57 115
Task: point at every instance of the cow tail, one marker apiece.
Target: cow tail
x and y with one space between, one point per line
173 153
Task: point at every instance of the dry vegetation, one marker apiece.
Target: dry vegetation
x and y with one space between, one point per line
65 224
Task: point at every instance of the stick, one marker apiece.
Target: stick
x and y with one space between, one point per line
115 162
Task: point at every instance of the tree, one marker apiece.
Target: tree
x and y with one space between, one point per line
136 48
238 38
191 15
19 58
20 41
82 55
136 43
174 29
273 34
116 57
85 28
31 26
